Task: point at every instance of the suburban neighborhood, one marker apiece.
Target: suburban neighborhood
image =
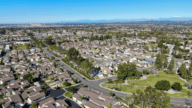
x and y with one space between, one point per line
95 66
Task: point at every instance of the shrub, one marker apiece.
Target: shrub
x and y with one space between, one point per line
109 80
178 56
117 98
163 85
176 86
111 94
66 84
146 72
118 89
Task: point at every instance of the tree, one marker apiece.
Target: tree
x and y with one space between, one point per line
69 72
109 106
81 97
165 62
81 85
34 105
49 41
66 84
4 84
44 85
52 58
111 94
151 98
176 86
75 80
146 72
109 81
72 54
128 70
163 85
183 71
71 89
172 64
28 77
190 70
3 102
62 79
129 99
158 61
29 34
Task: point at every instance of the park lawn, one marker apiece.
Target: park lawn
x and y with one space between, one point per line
182 94
68 94
152 80
178 95
124 88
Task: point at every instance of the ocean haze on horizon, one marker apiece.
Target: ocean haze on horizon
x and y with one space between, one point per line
175 18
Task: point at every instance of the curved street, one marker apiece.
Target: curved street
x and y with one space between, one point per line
95 84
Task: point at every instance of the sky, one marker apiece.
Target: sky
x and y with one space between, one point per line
51 11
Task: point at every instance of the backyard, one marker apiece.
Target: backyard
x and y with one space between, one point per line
19 47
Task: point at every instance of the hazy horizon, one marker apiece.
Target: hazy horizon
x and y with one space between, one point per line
49 11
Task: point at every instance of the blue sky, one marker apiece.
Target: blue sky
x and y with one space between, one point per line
44 11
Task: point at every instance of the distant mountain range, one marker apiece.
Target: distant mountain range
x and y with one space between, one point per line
130 20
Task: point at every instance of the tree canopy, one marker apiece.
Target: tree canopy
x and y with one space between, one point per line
128 70
151 98
176 86
183 71
163 85
28 77
34 105
49 41
172 64
72 54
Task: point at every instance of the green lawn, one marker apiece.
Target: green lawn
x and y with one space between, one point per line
124 88
68 94
19 47
63 86
49 82
151 81
46 79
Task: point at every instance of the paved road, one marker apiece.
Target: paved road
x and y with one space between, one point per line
96 84
91 84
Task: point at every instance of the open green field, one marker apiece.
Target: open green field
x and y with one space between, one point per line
150 81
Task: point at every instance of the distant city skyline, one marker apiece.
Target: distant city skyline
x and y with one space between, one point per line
51 11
